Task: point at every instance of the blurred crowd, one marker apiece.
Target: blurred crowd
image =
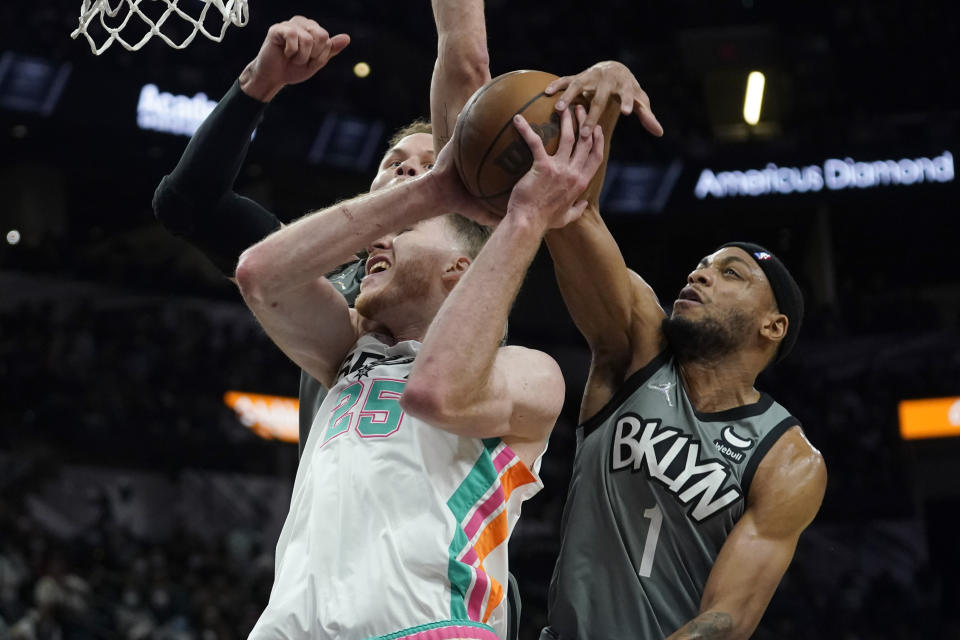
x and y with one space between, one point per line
105 583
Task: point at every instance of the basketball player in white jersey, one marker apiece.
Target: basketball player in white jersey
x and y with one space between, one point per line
431 435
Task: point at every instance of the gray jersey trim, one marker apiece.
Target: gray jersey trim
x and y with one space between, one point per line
629 385
738 413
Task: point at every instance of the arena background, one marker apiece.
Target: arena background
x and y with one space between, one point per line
135 504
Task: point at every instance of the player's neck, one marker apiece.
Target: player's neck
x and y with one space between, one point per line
397 331
719 385
408 320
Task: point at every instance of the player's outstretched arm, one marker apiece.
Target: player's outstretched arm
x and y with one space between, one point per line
784 498
462 381
462 65
196 200
615 310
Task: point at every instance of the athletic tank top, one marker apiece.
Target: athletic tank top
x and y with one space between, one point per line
396 528
656 488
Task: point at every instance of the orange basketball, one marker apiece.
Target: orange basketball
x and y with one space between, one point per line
490 154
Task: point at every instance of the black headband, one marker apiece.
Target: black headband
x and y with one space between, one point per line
786 292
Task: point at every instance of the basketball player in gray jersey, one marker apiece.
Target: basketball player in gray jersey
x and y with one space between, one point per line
690 487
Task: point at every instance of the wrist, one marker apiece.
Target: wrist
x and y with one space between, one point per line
443 189
524 224
255 86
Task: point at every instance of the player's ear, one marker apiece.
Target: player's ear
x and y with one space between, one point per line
455 269
774 326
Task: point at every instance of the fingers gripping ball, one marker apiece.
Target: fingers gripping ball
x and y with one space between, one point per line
490 154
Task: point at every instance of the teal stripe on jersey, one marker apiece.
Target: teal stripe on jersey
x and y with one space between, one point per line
441 630
491 443
474 486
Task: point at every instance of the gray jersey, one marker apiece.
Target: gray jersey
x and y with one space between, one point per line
656 488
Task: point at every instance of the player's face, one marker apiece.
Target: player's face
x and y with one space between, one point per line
407 268
727 279
721 306
411 157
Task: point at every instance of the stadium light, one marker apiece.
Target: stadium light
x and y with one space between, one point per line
753 99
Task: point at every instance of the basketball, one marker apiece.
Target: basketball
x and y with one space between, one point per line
490 154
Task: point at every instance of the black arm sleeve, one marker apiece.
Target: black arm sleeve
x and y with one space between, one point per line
196 200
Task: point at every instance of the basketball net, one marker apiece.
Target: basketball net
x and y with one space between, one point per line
122 11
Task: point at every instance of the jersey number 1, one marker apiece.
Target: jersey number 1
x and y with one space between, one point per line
650 543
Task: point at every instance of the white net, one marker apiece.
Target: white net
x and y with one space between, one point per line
109 21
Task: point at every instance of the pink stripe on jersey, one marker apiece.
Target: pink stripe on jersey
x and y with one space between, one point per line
470 557
475 605
483 512
447 633
503 458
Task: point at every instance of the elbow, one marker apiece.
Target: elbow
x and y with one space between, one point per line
172 210
464 60
426 401
250 275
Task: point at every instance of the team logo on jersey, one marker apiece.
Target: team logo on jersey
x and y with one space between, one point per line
732 446
665 388
366 361
676 461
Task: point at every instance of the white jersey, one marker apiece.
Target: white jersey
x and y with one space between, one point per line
396 528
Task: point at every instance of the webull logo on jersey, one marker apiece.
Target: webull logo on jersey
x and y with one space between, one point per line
673 459
732 446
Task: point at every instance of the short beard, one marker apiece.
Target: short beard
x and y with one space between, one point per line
404 292
707 340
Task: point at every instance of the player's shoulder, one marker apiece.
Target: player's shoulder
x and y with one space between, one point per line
791 480
794 449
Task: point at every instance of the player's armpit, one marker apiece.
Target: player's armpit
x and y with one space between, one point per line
785 495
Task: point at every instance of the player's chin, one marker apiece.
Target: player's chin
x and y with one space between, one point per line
372 297
686 308
364 303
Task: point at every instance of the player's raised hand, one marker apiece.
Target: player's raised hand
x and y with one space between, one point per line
292 52
601 83
452 193
551 191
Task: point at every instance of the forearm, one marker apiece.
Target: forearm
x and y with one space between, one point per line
593 279
196 201
461 344
462 65
317 243
710 625
214 155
